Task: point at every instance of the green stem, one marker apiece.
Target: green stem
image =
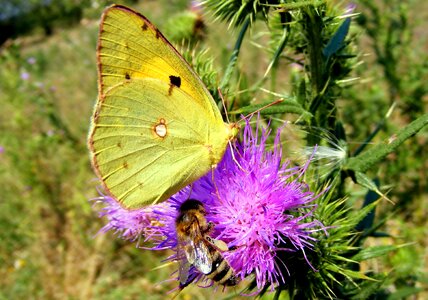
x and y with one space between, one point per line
313 34
234 58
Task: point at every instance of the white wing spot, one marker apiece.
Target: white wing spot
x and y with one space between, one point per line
160 129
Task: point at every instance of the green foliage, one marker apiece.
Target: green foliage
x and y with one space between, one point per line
187 26
20 17
322 42
236 11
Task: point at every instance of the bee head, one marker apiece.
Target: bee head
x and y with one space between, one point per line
192 204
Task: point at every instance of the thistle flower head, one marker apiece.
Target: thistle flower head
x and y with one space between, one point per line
258 204
129 224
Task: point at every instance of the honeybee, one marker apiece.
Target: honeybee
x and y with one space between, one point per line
195 246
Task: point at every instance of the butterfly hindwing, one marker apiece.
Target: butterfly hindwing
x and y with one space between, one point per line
139 142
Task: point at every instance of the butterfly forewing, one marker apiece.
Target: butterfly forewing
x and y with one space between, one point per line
131 47
155 127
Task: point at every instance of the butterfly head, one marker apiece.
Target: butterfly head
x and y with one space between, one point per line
232 131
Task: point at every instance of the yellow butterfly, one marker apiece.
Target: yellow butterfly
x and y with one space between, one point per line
155 127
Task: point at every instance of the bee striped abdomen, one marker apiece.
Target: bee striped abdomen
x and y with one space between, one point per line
221 272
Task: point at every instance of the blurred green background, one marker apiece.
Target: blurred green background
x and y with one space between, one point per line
48 227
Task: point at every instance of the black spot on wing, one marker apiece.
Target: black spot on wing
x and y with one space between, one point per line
127 76
175 80
144 27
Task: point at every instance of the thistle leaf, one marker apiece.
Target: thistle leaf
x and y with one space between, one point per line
373 252
280 108
369 158
336 41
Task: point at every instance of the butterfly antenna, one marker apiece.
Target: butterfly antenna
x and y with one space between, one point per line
190 191
263 107
230 142
224 104
215 185
232 153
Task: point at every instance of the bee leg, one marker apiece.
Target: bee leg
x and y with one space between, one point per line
209 228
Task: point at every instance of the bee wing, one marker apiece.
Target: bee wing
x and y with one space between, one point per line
195 250
202 259
183 261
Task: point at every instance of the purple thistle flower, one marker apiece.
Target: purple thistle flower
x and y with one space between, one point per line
260 207
25 75
128 224
31 60
350 7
